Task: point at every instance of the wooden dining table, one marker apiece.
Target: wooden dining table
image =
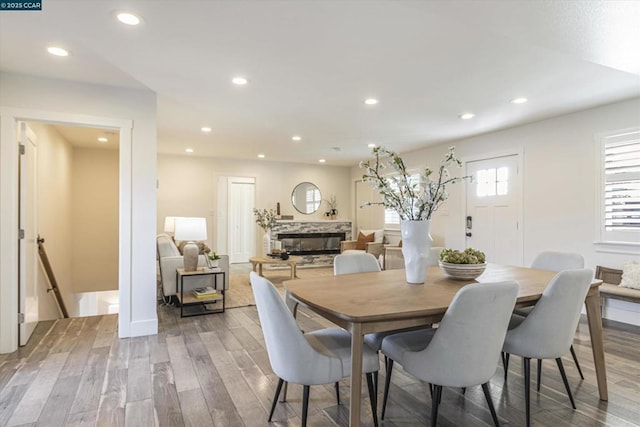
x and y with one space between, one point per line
383 301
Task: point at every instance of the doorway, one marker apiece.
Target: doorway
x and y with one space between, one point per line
493 208
235 224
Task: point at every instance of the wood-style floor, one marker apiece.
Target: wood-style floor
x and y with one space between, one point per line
214 371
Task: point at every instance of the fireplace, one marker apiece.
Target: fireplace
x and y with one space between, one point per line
311 243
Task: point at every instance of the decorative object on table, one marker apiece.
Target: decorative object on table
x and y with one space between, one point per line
266 219
213 259
284 256
332 212
191 229
465 265
414 197
206 292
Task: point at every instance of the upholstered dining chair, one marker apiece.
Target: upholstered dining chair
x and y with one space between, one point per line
548 331
464 349
312 358
355 263
551 261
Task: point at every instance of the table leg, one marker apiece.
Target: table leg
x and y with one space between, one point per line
594 319
357 342
260 269
293 270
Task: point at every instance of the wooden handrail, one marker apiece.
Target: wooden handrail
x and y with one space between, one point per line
52 278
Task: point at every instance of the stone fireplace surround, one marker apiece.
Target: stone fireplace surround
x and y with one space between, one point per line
303 228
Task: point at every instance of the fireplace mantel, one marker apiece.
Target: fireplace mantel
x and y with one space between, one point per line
312 227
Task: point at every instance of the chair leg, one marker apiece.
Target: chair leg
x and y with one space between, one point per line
539 374
464 391
575 359
492 409
566 383
372 398
505 364
305 405
435 401
387 382
337 393
275 398
284 392
527 391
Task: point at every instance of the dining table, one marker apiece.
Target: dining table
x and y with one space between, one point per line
363 303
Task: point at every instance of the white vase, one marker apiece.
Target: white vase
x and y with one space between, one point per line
266 243
416 245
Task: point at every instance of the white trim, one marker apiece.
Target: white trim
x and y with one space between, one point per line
141 328
624 248
515 151
9 213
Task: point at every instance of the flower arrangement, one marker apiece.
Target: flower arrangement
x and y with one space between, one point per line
411 199
265 218
213 256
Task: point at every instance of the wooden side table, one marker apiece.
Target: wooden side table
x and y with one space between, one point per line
259 261
196 306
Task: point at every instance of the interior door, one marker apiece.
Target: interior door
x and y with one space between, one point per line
241 225
494 199
28 250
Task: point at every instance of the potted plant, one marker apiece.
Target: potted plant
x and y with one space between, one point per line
213 259
467 264
333 207
414 199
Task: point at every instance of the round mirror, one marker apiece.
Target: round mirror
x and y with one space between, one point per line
306 198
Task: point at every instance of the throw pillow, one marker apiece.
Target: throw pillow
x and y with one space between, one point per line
379 234
630 275
361 244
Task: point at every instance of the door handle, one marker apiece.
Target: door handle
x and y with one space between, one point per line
468 234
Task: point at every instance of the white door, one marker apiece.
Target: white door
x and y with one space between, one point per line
494 200
241 230
28 249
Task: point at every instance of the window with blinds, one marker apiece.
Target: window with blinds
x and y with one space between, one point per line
621 187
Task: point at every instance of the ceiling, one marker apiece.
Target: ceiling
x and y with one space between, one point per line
85 137
311 64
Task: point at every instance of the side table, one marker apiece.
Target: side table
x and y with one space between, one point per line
196 306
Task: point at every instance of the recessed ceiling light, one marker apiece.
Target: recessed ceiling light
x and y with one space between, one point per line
128 18
188 150
261 156
57 51
371 145
296 138
519 100
103 139
240 81
322 160
467 116
371 101
205 129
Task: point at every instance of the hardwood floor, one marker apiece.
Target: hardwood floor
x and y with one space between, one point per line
214 371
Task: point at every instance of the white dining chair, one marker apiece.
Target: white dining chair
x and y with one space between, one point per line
548 331
464 349
551 261
355 263
312 358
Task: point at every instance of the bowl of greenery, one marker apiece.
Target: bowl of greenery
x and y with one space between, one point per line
462 265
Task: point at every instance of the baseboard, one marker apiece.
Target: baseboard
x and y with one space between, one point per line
142 328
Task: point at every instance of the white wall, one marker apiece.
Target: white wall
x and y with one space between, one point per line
134 113
560 203
55 157
187 187
95 219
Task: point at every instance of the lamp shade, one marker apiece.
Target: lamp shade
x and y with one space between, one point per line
190 228
170 224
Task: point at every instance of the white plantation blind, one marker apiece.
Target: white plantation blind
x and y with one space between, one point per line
621 184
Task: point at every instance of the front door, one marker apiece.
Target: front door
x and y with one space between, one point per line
494 200
28 250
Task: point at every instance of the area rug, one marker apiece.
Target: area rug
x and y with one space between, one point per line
240 293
